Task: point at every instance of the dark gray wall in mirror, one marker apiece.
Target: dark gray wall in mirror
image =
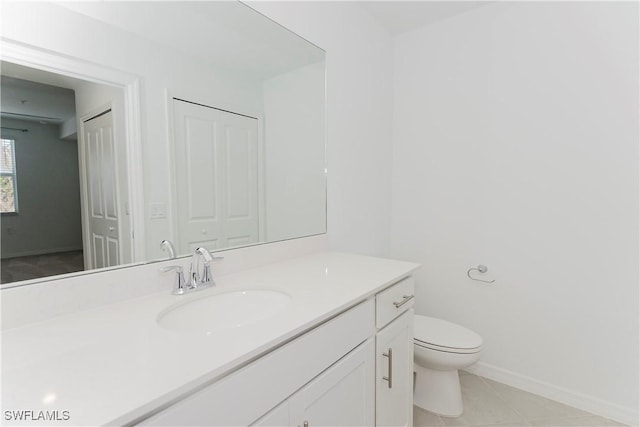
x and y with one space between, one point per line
220 56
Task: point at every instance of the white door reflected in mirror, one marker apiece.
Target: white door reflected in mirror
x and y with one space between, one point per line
216 167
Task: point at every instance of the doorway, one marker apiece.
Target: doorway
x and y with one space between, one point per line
47 234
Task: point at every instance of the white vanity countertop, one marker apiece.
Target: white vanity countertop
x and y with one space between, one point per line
114 364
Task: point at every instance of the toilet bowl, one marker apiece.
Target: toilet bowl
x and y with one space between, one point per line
440 349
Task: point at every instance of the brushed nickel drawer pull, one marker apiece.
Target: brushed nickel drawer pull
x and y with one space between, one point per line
389 356
406 299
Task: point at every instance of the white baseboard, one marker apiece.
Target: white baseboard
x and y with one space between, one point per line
578 400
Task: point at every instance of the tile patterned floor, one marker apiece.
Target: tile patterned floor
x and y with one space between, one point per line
488 403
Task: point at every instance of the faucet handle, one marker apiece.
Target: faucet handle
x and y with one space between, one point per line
180 280
206 275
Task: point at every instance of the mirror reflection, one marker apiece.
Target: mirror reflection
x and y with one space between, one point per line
232 124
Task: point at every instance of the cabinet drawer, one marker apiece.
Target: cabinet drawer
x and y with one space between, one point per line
394 301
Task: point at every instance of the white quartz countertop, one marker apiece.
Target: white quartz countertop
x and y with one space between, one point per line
114 364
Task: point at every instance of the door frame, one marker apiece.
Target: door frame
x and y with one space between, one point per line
58 63
171 150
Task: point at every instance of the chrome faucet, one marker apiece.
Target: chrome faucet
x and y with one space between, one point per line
195 281
206 280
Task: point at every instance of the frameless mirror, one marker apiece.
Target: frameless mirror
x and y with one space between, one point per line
230 112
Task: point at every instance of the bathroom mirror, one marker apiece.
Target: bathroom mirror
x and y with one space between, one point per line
231 113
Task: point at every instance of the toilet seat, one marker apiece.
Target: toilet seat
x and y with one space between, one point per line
447 349
440 335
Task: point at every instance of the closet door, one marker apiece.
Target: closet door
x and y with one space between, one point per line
216 164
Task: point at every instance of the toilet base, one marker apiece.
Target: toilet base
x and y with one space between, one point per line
438 391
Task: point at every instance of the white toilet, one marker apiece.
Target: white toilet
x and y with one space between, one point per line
440 349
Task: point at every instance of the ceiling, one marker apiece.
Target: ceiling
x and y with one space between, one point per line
35 95
395 16
400 16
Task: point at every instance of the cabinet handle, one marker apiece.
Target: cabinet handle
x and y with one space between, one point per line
389 356
405 299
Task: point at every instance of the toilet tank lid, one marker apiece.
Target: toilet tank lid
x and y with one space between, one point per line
439 332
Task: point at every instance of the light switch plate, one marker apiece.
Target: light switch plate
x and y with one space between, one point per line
158 210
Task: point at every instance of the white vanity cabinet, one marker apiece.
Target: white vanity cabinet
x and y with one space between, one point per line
394 355
355 369
323 377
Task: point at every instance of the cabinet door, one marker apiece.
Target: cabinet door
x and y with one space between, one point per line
394 373
343 395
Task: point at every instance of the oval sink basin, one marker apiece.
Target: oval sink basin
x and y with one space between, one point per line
223 311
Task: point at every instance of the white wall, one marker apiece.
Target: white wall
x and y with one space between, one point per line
359 98
516 146
295 181
47 177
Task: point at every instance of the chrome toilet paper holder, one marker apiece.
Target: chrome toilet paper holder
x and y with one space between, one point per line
480 269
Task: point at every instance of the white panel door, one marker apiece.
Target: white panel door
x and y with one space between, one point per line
394 372
216 156
342 396
100 163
